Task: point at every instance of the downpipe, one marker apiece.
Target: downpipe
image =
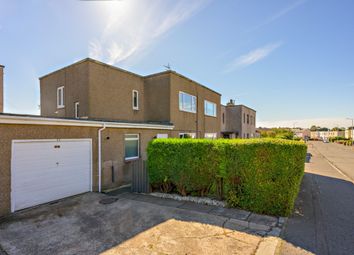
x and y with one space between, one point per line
100 156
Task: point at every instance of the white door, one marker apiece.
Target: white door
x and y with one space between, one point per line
46 170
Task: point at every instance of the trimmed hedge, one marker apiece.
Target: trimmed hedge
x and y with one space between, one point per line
261 175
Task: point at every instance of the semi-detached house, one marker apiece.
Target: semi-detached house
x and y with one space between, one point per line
96 120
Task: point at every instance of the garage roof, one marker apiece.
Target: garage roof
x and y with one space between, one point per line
6 118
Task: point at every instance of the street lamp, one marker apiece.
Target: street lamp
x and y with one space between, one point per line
352 127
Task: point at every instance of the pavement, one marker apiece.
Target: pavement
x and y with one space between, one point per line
127 223
323 220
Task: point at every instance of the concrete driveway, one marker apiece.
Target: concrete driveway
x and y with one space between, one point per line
85 225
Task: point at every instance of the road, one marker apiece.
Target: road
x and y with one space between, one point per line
323 220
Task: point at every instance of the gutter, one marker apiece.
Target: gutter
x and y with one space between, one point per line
27 120
100 156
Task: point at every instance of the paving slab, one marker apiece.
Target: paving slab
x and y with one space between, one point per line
83 225
261 219
196 207
231 213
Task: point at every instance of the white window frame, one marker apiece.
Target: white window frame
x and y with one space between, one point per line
77 109
137 99
205 108
132 139
162 136
60 91
210 135
192 135
181 103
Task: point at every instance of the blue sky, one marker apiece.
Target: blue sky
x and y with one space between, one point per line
291 60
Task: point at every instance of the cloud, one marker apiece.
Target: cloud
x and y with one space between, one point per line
307 123
131 26
280 14
252 57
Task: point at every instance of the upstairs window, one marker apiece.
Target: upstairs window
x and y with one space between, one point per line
187 103
77 110
60 97
248 119
135 100
223 118
209 108
244 118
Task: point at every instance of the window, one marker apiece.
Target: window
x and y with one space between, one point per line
186 135
209 108
187 103
248 135
244 118
77 110
210 135
248 119
223 118
60 97
135 100
131 143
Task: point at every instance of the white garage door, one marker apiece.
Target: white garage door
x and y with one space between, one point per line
46 170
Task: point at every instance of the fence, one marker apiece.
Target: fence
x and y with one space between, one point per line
140 177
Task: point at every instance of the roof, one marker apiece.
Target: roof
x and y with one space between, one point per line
93 61
182 76
122 70
239 105
2 66
6 118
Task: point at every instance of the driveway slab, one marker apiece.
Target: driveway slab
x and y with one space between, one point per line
83 225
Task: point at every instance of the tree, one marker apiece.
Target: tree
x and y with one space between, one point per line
313 128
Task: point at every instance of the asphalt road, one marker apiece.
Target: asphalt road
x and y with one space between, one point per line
323 221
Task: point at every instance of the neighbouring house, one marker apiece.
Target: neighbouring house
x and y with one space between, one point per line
326 134
96 122
302 133
1 88
349 133
238 121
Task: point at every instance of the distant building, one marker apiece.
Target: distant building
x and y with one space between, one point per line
326 134
349 133
301 133
238 121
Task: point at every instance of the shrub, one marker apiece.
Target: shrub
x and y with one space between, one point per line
261 175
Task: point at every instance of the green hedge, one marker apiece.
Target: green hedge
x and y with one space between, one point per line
261 175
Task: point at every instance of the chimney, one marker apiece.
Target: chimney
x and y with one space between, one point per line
1 88
231 102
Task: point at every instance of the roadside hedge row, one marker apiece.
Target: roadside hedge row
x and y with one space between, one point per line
260 175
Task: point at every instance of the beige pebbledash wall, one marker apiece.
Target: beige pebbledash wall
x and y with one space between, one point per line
112 152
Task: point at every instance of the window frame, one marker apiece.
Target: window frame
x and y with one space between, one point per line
211 135
60 91
248 119
192 135
137 99
180 104
77 110
205 108
131 139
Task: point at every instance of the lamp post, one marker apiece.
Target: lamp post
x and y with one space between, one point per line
352 127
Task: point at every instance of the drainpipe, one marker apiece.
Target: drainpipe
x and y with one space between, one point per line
100 156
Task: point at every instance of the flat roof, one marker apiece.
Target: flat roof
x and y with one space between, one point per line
122 70
93 61
239 105
9 118
182 76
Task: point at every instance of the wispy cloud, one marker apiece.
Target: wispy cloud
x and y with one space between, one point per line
307 123
131 26
252 57
280 14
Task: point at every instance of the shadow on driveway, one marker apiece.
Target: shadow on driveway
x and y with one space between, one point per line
83 225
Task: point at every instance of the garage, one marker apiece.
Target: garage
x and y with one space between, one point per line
47 170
